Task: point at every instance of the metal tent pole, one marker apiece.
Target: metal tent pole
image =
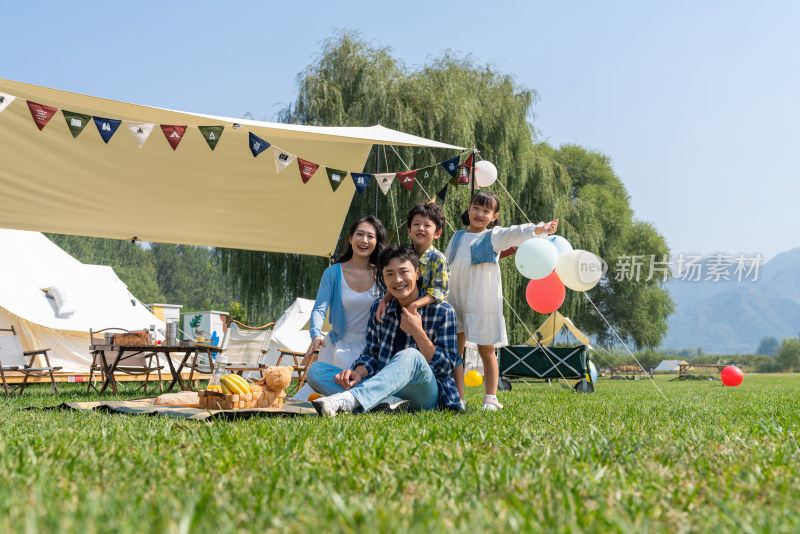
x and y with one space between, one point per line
377 170
472 178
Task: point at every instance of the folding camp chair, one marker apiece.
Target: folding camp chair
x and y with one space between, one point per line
523 361
246 347
12 359
130 362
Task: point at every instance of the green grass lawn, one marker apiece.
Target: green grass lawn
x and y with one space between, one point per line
622 459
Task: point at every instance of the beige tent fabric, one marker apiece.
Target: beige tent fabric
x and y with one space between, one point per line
50 182
553 325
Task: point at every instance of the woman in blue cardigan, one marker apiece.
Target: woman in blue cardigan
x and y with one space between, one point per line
346 292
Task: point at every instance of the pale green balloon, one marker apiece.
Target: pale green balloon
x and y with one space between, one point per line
536 258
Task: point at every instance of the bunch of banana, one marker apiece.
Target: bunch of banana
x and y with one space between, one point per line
233 383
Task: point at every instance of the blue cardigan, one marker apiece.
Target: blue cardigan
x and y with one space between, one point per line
329 295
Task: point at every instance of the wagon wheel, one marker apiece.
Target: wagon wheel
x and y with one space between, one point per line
504 385
584 386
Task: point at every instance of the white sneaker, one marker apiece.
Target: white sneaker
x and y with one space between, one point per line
491 405
392 404
337 403
463 404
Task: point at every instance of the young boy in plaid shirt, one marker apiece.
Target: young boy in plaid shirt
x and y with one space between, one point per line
425 222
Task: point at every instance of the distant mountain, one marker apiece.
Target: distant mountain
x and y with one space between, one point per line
729 317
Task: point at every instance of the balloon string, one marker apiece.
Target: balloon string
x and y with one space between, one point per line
514 201
624 345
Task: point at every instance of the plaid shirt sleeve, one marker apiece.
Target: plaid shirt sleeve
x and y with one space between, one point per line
441 329
443 361
369 356
437 275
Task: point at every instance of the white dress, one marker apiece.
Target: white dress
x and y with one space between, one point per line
356 307
476 291
344 352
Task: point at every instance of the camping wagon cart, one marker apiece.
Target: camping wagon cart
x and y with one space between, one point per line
524 362
535 360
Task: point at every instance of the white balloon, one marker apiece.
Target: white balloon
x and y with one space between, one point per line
580 270
562 245
485 173
536 258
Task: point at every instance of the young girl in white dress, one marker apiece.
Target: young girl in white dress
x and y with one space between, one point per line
476 291
347 290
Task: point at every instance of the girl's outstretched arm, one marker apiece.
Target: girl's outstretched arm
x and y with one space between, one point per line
514 236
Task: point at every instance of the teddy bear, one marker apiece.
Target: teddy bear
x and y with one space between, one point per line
276 378
275 381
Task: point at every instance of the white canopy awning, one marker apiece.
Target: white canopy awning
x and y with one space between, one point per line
52 182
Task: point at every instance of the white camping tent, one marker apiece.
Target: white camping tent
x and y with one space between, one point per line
291 331
91 296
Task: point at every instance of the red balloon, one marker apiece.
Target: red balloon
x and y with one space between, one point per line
732 376
545 295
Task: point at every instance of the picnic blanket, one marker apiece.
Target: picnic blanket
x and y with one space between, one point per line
146 407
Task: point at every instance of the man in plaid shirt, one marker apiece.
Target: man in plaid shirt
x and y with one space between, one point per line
409 358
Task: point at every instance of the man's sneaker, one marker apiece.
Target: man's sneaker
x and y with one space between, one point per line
491 405
392 404
337 403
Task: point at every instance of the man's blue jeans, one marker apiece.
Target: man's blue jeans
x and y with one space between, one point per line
407 376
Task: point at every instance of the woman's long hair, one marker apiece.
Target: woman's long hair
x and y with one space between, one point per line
380 239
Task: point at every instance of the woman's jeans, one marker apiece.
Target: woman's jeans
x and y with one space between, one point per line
407 376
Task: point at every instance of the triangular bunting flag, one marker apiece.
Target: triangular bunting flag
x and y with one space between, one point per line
106 127
174 134
468 161
76 122
140 130
282 159
307 169
385 181
426 173
451 165
361 180
41 114
335 177
407 178
257 145
453 181
211 134
5 100
442 194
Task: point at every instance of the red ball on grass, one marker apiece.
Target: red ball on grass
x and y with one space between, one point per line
731 376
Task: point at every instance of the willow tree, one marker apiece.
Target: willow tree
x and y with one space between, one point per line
452 99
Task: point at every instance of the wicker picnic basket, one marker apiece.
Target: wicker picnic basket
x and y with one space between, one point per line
258 398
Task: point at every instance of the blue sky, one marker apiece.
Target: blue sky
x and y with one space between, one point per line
695 102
